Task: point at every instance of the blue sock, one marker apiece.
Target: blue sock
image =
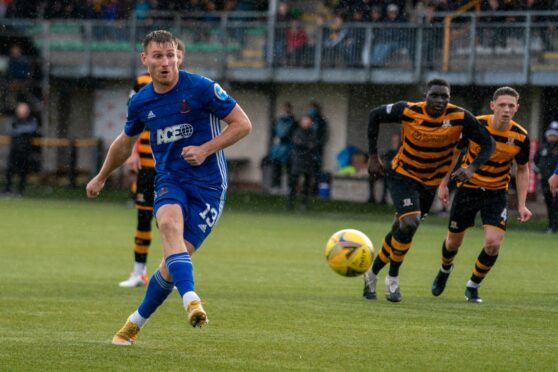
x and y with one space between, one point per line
181 269
158 290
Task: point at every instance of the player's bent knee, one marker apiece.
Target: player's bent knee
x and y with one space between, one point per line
168 225
409 224
454 242
492 246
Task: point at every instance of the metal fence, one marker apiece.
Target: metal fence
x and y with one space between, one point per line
252 46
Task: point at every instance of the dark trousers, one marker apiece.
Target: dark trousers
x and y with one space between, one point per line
293 185
18 163
277 169
551 206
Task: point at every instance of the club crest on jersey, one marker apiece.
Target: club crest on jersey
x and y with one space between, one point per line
220 92
184 108
446 123
161 192
511 141
174 133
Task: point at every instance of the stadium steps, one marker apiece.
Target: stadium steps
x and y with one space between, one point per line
545 67
247 58
233 62
252 54
548 61
550 57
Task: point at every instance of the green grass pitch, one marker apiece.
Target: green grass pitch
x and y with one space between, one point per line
272 301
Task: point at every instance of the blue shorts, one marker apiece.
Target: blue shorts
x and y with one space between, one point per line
201 206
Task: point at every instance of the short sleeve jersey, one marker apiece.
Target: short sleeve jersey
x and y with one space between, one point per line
187 115
511 144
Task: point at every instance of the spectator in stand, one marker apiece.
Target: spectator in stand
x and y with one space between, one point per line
433 33
390 37
141 9
543 32
375 16
282 20
110 10
23 8
18 75
89 9
296 43
4 5
356 38
302 158
545 162
23 128
335 41
366 7
281 145
491 36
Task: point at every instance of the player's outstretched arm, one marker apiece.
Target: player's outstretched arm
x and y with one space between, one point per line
238 127
522 184
119 151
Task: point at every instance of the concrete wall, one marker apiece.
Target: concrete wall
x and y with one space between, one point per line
256 104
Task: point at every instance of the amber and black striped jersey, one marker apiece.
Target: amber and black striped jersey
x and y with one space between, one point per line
143 147
427 143
512 143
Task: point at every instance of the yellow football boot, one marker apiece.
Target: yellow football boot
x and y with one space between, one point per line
196 314
127 335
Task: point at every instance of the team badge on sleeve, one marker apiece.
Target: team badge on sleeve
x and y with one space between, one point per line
220 92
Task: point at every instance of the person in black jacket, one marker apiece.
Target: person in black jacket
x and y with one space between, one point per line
545 162
303 155
23 128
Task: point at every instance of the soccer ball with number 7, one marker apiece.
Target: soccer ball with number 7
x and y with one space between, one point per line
349 252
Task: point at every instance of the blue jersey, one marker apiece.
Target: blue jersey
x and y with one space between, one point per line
188 115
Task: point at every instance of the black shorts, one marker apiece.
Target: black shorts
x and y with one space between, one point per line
467 202
145 188
410 196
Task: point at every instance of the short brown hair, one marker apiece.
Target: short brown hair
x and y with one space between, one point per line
505 91
159 37
180 45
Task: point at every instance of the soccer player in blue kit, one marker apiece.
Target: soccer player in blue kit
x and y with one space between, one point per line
183 112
